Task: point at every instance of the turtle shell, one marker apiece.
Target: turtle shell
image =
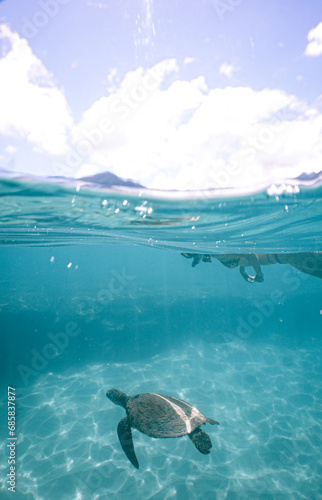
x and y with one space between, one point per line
162 416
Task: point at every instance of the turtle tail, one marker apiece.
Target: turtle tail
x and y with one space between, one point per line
201 440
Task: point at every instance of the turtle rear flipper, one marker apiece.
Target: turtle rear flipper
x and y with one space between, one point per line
125 436
212 421
201 440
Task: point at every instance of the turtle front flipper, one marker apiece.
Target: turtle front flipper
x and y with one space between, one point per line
201 440
125 436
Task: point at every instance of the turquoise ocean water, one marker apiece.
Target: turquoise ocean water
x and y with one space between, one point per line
95 293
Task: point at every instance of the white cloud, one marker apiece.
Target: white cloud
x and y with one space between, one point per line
112 80
153 127
185 136
189 60
32 107
314 47
10 149
227 70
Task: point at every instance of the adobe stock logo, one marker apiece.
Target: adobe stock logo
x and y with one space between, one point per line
58 343
225 6
48 9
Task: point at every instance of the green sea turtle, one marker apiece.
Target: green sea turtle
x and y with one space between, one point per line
159 416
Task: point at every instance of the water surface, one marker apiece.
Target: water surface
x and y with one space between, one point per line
95 293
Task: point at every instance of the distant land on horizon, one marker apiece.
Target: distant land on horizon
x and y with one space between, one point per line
109 179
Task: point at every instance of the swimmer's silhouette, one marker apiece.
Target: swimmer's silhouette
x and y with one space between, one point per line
306 262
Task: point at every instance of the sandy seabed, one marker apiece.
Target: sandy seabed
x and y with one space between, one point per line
267 399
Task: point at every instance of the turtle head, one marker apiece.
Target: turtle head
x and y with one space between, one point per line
117 397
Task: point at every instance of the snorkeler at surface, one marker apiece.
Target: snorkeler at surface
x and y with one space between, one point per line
306 262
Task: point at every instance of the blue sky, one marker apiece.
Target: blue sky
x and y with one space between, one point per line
177 94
